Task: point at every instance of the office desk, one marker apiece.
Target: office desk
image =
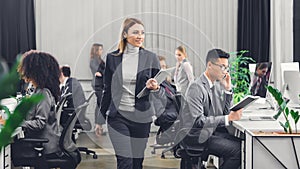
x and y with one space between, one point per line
263 149
5 154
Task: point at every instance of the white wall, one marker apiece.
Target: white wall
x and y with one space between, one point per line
68 28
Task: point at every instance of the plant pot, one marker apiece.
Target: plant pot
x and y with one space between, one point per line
275 133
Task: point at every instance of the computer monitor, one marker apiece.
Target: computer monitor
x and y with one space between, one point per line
260 79
291 66
292 81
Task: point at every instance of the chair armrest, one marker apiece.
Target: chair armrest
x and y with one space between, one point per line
35 140
37 144
68 109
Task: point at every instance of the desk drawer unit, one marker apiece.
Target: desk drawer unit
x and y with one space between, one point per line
2 159
7 157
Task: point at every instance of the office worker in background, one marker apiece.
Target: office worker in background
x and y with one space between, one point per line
95 60
97 66
260 80
163 66
184 71
128 117
42 70
70 85
208 100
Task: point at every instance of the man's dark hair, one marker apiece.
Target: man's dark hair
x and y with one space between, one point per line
66 71
215 54
261 66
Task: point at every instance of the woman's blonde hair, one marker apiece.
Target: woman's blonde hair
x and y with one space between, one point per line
182 49
127 23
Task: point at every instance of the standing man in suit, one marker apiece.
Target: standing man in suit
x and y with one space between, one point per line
208 100
70 85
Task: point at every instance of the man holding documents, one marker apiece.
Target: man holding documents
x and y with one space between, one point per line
207 107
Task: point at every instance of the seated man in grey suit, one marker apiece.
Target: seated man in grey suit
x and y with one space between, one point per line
207 107
70 85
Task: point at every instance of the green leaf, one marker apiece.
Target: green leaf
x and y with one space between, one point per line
295 115
282 125
9 83
287 111
17 118
277 114
277 96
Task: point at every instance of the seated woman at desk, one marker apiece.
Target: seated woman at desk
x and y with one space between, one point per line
42 70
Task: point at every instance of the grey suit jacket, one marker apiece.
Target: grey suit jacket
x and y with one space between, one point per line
199 111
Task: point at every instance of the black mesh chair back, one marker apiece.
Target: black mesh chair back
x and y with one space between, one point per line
83 122
66 140
60 105
191 147
90 96
71 156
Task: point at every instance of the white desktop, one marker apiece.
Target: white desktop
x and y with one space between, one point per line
292 87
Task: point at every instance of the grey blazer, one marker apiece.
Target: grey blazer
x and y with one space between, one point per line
41 122
199 111
183 76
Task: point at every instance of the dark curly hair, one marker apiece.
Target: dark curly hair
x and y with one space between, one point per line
43 69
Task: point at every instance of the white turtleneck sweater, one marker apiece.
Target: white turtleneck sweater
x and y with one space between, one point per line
129 71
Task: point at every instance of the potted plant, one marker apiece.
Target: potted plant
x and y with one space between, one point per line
283 109
240 74
8 85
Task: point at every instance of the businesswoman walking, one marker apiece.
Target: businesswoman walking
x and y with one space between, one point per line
128 116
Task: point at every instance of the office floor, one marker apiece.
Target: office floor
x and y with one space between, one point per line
106 159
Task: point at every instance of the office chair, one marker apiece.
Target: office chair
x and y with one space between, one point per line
69 158
85 124
169 126
189 149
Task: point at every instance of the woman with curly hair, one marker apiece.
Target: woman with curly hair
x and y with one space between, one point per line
42 70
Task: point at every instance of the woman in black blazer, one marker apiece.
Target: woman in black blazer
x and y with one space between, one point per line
129 117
